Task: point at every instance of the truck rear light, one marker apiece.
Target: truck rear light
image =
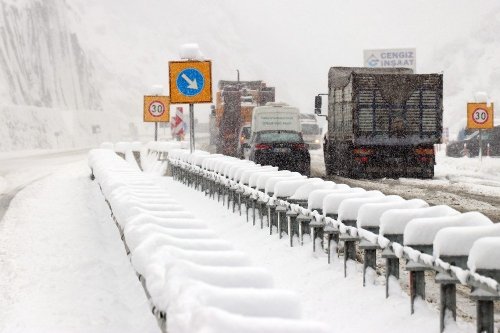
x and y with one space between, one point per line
363 151
424 159
262 146
362 159
424 151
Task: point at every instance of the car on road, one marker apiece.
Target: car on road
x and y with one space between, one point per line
469 146
311 132
283 149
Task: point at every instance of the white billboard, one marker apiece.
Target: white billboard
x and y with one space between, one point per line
389 58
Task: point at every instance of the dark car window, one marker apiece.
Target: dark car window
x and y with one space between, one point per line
245 132
271 137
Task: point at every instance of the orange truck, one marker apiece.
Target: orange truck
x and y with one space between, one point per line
234 104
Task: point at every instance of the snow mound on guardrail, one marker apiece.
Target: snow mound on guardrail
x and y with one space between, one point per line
202 283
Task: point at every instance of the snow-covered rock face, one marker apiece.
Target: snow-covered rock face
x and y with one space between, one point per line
42 61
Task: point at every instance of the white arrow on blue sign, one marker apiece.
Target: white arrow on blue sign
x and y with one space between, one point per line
190 82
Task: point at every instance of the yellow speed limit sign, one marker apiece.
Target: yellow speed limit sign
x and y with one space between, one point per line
479 115
156 109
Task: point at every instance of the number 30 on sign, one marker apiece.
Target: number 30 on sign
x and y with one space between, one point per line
479 116
156 109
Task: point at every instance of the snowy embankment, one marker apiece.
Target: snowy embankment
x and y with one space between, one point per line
63 267
198 280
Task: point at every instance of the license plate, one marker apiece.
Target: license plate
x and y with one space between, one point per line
281 150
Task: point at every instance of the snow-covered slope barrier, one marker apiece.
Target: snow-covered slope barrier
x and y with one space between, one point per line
197 279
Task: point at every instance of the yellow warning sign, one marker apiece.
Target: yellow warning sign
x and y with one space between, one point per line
479 115
156 109
190 82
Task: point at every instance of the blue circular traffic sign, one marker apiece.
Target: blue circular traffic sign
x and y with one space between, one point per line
190 82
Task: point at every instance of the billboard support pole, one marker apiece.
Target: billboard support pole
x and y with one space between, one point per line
156 131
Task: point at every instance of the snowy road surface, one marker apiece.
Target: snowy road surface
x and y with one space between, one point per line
465 184
64 267
18 169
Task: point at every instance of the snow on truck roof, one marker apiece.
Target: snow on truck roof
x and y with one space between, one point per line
338 77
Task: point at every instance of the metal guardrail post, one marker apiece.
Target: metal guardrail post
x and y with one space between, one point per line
332 235
369 253
280 218
271 209
417 282
291 217
447 297
319 226
391 267
349 249
303 222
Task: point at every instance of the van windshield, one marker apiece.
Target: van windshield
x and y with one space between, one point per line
245 132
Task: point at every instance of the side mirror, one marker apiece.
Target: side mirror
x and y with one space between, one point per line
317 104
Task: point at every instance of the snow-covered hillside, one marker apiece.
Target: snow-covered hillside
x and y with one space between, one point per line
42 61
75 58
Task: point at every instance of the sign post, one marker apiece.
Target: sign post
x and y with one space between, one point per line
190 83
479 116
156 109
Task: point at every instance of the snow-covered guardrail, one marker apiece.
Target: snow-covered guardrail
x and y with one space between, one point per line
195 281
398 228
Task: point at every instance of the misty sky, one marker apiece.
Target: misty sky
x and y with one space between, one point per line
290 44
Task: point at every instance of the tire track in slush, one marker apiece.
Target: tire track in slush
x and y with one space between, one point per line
6 198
